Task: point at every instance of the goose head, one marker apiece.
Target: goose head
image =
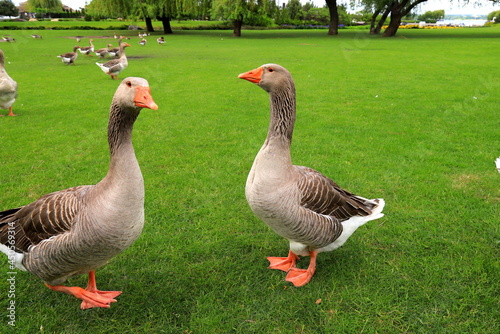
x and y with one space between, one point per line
272 78
134 93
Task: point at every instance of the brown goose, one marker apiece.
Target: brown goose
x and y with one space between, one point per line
298 203
87 50
8 88
77 230
102 53
69 57
115 66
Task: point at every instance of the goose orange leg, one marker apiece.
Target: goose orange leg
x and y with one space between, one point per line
300 277
283 263
90 296
10 113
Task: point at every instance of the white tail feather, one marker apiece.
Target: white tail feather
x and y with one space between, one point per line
14 258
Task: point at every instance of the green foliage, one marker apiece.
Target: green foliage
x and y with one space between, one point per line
45 6
432 16
424 138
494 16
7 8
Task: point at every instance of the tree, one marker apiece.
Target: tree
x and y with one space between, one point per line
494 16
45 6
8 8
432 16
242 11
334 17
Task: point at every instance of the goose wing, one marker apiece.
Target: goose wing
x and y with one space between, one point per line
323 196
50 215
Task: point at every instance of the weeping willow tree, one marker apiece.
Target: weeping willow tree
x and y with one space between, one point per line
110 8
42 7
163 10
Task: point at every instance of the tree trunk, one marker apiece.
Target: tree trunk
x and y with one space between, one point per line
334 17
393 26
399 8
149 25
237 24
372 22
167 29
381 22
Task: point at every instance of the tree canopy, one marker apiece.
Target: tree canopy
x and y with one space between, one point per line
7 8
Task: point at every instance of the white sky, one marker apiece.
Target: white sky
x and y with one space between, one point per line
449 6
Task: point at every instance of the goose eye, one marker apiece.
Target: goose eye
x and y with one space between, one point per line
270 69
129 84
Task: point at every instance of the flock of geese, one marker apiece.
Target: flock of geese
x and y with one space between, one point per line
77 230
112 67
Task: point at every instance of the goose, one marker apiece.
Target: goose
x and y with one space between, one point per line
35 36
8 39
143 42
160 40
8 87
115 66
70 57
86 50
297 202
104 51
497 164
77 230
114 52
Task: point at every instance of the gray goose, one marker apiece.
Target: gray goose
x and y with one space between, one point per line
69 57
77 230
115 66
8 87
298 203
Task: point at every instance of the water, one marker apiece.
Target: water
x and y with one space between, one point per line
461 23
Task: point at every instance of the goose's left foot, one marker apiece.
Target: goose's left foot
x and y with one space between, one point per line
300 277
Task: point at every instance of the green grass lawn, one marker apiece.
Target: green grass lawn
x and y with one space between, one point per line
413 119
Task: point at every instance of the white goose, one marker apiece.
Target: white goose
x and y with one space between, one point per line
115 66
298 203
77 230
8 87
70 57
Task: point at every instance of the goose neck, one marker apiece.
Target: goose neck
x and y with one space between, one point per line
283 112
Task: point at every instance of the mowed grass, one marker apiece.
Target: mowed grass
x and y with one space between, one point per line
413 119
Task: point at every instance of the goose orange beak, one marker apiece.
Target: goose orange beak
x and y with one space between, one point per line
253 75
144 99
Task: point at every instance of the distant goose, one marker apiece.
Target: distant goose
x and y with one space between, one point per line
77 230
102 53
115 66
114 52
497 163
143 42
36 36
8 39
160 40
8 88
298 203
70 57
87 50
